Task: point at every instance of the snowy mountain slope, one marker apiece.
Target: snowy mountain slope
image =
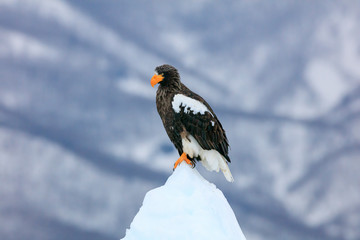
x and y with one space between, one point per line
186 207
56 187
283 79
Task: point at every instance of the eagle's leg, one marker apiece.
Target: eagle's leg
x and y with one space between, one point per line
183 157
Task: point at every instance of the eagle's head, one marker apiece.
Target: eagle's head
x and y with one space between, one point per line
167 76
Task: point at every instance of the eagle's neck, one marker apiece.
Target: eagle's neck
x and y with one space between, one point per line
166 91
164 95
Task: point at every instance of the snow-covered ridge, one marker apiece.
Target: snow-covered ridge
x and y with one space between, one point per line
86 28
186 207
189 104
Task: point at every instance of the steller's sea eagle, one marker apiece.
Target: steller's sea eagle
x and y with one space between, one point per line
190 123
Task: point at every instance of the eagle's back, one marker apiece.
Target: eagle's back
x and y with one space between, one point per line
205 128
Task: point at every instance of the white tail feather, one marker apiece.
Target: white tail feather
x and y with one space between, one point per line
226 170
212 160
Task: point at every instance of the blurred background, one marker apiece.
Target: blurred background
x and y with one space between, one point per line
81 142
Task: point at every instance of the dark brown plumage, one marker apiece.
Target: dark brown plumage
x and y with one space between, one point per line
187 121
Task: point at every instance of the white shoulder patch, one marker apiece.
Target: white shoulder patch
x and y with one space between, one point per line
189 104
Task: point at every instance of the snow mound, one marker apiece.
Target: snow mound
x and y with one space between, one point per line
186 207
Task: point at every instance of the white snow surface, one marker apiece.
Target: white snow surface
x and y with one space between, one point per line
186 207
189 104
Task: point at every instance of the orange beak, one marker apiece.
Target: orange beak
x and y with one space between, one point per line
156 79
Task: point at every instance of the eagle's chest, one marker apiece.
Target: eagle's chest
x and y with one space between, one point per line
165 110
